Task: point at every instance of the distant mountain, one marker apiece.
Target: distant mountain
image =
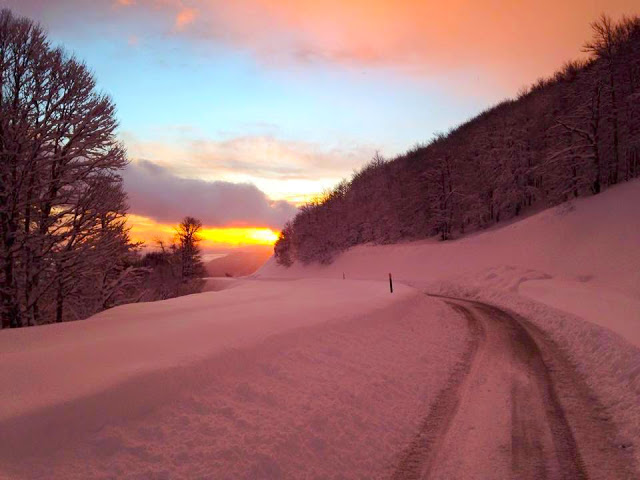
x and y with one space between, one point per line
239 264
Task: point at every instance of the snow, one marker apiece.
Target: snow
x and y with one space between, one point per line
574 270
134 339
609 364
215 284
584 254
299 373
620 313
265 379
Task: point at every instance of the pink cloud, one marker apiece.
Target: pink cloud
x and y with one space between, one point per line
263 157
515 42
184 17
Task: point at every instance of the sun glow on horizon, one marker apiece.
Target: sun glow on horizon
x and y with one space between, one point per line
240 235
147 230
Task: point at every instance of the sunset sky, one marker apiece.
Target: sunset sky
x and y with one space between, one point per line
236 111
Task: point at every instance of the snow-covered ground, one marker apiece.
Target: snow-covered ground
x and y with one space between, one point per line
262 380
299 373
129 341
574 270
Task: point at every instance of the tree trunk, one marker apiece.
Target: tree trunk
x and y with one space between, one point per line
59 300
613 176
10 307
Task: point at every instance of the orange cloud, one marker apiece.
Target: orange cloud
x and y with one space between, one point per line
495 43
511 41
145 229
184 17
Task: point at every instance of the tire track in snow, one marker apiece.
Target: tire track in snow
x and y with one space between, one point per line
419 455
500 415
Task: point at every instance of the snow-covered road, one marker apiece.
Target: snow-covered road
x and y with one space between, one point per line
502 415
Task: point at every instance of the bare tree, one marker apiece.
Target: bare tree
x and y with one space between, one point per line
604 44
584 150
62 205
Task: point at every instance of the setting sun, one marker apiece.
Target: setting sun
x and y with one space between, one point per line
144 229
239 236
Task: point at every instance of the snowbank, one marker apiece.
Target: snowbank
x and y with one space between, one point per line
620 313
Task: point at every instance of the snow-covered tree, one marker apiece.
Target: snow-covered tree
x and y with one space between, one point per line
187 246
62 205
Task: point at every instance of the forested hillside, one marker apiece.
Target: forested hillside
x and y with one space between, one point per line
571 135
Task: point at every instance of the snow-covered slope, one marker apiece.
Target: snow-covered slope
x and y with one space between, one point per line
574 270
582 257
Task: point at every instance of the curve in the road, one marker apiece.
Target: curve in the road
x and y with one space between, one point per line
501 416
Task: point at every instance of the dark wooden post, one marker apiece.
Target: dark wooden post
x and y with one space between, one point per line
390 284
343 277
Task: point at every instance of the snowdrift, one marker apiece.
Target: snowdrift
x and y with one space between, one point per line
70 360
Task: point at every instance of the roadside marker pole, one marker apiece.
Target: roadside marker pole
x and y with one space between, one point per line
390 283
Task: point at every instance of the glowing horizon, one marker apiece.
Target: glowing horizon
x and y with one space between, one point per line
149 231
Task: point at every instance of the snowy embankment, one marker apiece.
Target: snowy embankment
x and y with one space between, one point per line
574 270
262 380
